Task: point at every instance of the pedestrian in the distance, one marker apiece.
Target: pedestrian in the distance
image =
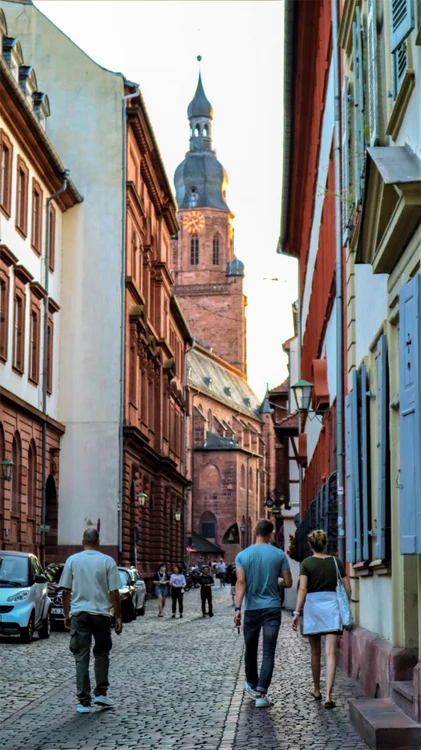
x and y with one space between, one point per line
233 583
161 582
177 583
318 578
259 568
206 582
220 572
91 581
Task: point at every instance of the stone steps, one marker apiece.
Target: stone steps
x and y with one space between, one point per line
383 725
403 696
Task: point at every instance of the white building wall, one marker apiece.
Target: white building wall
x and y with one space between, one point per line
370 307
85 127
323 168
20 246
376 605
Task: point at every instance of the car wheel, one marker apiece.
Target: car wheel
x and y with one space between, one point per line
127 613
134 615
27 634
142 610
45 630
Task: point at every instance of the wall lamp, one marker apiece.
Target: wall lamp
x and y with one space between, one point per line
142 497
302 393
7 470
177 515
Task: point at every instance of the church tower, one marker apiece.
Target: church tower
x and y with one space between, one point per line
208 276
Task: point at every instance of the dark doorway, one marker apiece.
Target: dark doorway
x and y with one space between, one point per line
51 520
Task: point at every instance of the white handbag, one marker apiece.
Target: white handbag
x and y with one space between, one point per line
345 610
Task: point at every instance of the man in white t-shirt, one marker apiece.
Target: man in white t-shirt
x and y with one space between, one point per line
91 580
221 569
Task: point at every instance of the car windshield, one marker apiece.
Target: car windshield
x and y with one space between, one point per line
13 570
53 573
123 576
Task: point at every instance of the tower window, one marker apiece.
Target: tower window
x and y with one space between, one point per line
197 130
215 250
206 131
193 196
194 250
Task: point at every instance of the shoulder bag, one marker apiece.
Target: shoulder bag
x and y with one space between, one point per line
345 610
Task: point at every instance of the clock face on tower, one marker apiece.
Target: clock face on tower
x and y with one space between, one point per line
193 222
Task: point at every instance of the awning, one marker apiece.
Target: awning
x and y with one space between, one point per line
191 549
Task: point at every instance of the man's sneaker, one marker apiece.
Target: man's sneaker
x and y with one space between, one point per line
264 702
102 700
81 709
248 689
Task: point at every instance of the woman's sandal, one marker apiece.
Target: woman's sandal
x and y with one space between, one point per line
317 697
330 704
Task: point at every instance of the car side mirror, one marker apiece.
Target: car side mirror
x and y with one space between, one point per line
40 579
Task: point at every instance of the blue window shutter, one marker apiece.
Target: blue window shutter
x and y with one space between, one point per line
373 97
382 447
400 66
357 137
355 463
346 196
365 460
349 498
402 21
409 421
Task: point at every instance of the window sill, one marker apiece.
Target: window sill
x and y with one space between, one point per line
3 358
5 211
380 567
17 370
35 249
23 233
401 103
51 269
362 569
33 382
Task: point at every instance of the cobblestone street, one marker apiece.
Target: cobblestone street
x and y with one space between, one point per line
176 684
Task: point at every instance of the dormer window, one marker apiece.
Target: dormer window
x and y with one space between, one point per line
227 391
247 401
27 81
12 54
208 382
190 371
41 106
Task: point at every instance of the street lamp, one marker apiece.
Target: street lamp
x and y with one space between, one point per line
177 515
142 497
302 393
242 528
7 470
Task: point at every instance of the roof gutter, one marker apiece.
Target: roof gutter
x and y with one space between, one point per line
289 16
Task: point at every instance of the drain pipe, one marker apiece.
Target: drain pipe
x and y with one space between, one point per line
339 414
125 99
65 178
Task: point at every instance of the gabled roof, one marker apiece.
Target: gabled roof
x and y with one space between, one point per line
291 420
208 374
282 388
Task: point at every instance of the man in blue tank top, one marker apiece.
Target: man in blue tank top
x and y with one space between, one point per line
259 568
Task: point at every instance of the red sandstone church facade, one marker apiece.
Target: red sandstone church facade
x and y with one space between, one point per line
230 433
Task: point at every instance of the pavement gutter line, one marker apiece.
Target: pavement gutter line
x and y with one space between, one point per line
234 709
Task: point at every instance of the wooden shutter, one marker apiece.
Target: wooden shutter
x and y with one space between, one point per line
346 197
372 72
365 461
409 422
400 65
382 447
359 138
349 498
355 463
402 22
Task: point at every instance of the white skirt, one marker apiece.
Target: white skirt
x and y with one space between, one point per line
321 613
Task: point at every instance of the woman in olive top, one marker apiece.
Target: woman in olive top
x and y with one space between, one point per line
318 579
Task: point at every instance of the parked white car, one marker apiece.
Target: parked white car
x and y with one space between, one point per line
24 601
140 589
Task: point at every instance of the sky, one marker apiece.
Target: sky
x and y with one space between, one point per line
156 44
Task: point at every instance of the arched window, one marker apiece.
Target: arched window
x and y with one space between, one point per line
194 250
17 467
206 131
243 477
32 473
193 196
251 479
208 525
215 250
134 256
210 478
197 130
